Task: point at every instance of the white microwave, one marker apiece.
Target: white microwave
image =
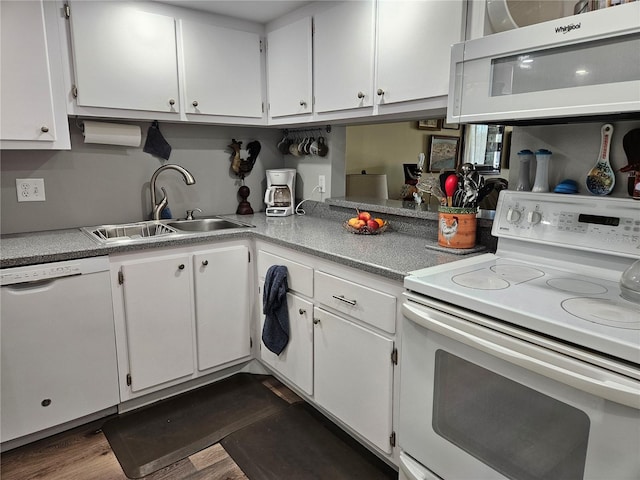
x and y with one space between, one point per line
584 65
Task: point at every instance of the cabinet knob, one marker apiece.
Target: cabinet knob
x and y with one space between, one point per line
360 95
195 103
380 92
172 102
181 266
303 103
205 263
316 321
46 402
44 129
302 311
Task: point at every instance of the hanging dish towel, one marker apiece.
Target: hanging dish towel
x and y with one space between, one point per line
275 333
155 143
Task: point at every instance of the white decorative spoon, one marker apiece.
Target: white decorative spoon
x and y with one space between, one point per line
601 178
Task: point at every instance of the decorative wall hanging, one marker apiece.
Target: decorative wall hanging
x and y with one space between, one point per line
242 167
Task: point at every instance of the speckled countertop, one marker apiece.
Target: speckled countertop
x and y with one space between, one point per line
391 254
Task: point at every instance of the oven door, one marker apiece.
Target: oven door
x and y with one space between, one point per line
479 404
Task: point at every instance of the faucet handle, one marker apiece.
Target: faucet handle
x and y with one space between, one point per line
190 213
157 209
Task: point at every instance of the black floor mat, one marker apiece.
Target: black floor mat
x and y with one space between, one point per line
154 437
299 444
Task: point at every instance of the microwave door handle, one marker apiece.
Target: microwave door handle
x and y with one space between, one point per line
608 388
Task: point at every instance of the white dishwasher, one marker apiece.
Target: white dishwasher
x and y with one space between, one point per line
57 344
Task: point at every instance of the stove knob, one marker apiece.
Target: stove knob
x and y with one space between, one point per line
534 217
513 215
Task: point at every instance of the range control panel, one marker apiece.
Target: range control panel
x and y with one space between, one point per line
603 223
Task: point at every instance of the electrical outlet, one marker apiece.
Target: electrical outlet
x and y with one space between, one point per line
322 184
30 189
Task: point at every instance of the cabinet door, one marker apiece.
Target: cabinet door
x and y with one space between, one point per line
222 300
343 56
124 57
414 48
222 71
289 69
158 317
295 363
26 87
353 376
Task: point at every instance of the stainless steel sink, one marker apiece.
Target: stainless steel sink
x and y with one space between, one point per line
141 231
206 224
129 231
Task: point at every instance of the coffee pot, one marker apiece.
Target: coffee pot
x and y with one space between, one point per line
280 194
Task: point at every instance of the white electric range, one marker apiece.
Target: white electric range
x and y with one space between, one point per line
537 331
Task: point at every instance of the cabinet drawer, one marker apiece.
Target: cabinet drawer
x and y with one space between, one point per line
299 277
366 304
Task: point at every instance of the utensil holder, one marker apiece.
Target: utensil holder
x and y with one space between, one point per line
457 227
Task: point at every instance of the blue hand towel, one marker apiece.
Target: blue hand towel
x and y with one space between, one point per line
275 333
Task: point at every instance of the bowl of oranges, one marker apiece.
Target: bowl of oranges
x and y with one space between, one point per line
364 224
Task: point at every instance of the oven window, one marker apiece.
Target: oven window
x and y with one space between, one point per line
521 433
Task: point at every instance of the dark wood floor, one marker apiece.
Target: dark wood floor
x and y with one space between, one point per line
84 454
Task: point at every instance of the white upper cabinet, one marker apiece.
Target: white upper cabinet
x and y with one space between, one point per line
124 57
222 70
343 56
31 94
414 48
289 69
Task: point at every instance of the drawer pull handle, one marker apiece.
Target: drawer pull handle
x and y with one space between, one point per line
181 266
316 321
345 300
46 402
302 311
205 263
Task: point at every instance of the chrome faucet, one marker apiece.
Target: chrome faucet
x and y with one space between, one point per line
157 207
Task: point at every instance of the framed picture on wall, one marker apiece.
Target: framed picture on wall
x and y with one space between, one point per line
431 124
442 153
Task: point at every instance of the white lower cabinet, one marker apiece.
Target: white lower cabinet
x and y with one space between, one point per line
343 355
180 314
295 363
353 376
222 305
158 316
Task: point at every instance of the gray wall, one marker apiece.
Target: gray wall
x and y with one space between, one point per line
575 150
94 184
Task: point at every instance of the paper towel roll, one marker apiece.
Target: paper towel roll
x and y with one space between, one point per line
111 133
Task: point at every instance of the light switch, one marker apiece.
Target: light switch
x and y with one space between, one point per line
30 189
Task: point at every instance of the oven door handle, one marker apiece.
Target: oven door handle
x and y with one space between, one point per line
563 369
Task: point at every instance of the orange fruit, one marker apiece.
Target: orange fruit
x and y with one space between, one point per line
380 221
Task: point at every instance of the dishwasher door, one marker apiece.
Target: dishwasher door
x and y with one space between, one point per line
57 344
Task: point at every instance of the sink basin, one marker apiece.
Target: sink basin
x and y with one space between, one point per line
141 231
129 231
206 224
